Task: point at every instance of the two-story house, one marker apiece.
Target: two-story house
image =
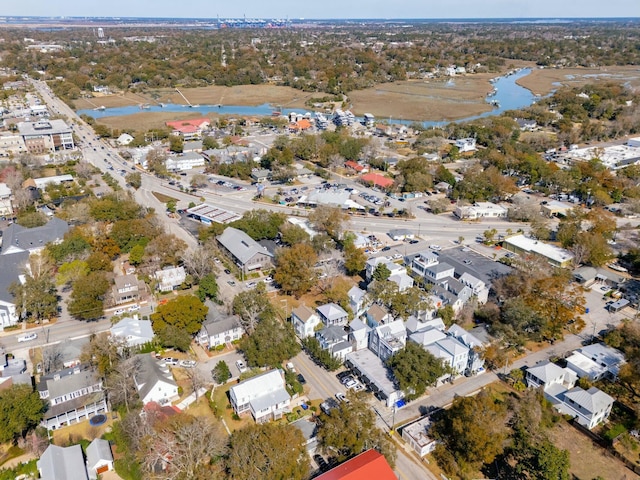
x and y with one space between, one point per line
304 321
73 395
332 314
154 381
127 288
477 286
473 343
264 396
596 361
219 329
546 373
357 300
386 340
244 251
359 334
170 278
378 315
335 339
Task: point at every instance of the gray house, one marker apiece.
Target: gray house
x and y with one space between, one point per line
245 252
219 329
16 238
11 266
99 458
332 314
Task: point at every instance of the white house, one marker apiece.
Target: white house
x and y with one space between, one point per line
332 314
265 396
62 463
417 436
386 340
6 209
480 210
359 334
588 407
335 339
219 330
466 145
357 298
452 352
124 139
185 161
544 374
170 278
304 321
99 458
475 361
596 361
133 331
479 288
154 381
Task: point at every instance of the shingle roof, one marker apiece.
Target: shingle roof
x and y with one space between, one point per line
11 266
303 312
17 236
220 324
149 372
62 463
241 245
97 451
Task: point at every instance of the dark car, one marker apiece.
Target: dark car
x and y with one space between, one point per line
301 379
386 249
413 242
227 271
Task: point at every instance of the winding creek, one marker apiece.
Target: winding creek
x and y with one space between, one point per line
508 95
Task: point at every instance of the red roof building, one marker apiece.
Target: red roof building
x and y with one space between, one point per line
369 465
356 166
191 128
377 179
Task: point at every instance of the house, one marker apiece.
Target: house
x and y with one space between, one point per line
373 263
62 463
438 272
402 280
588 407
422 261
73 395
332 314
526 125
189 129
378 315
596 361
245 252
357 298
99 458
466 145
13 268
545 374
154 381
264 396
13 371
477 286
124 140
192 146
260 175
359 334
368 465
400 234
480 210
133 331
219 329
474 345
46 136
416 434
304 321
386 340
6 208
184 161
309 430
334 339
453 353
377 180
356 167
556 256
170 278
42 182
127 288
16 238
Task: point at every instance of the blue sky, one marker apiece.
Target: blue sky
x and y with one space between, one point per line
326 8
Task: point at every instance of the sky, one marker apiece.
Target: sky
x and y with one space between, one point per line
295 9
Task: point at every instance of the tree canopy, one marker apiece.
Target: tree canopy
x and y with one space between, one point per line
178 317
20 410
270 344
415 369
295 269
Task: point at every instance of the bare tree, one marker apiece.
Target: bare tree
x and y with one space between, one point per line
199 262
120 384
13 178
196 380
52 358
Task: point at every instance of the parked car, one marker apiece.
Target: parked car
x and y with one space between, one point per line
120 311
342 397
241 366
170 361
251 284
301 379
358 388
351 383
27 337
414 241
232 283
187 363
435 248
227 271
386 249
134 308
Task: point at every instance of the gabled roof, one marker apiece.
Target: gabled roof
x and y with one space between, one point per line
149 373
189 125
241 245
592 400
217 324
133 327
369 465
259 385
303 312
428 336
11 266
62 463
467 338
377 312
333 334
546 371
98 450
17 237
356 294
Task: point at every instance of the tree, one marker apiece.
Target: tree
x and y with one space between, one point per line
473 430
270 344
260 224
21 409
71 271
354 258
36 299
295 269
134 179
415 369
381 273
200 262
183 314
319 355
267 450
329 220
120 384
447 314
252 306
221 372
207 288
87 296
176 143
189 447
293 234
361 434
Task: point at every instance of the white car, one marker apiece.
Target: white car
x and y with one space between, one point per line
187 363
119 311
170 360
134 308
251 284
397 256
241 366
291 368
27 337
435 248
342 397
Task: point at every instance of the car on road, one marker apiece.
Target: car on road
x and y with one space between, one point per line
227 271
414 241
27 337
241 366
119 311
252 284
467 261
435 248
301 379
232 283
170 360
386 249
342 397
291 367
187 363
397 256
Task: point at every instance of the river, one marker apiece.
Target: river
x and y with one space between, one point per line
509 95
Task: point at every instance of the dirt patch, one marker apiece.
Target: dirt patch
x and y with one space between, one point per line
112 101
543 81
435 99
141 122
588 460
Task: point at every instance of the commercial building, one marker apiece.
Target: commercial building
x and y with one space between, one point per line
375 374
45 137
245 252
480 210
556 256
